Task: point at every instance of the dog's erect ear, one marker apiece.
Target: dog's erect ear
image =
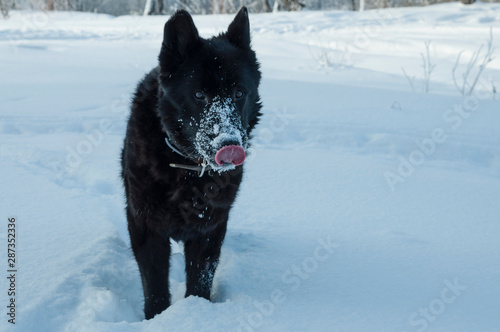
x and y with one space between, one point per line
179 37
238 32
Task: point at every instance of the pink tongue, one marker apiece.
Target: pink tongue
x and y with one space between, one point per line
230 154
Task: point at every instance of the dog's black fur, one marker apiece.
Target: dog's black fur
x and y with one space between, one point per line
166 203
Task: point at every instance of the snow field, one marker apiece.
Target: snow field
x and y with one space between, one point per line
321 238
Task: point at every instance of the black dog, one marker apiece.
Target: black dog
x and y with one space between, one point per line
186 139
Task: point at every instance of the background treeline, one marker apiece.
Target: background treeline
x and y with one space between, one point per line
161 7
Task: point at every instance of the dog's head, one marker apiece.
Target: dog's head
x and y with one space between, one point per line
208 92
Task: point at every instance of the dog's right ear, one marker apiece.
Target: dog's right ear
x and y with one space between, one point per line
238 32
179 37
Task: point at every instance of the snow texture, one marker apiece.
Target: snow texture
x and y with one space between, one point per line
365 205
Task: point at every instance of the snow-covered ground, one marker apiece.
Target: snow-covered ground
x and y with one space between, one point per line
366 206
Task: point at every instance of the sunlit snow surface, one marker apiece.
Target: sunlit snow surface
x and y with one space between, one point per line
365 205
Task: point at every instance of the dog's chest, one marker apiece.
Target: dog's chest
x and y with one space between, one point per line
194 202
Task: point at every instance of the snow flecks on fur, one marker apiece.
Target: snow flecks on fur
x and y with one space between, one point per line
219 124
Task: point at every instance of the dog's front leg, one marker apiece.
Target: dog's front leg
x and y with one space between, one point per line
152 253
202 255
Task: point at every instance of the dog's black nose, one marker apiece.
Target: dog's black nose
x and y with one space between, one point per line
228 142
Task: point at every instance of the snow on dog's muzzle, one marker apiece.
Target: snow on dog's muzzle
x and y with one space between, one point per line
220 139
231 154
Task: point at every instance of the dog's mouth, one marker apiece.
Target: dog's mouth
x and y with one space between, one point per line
222 153
230 154
225 159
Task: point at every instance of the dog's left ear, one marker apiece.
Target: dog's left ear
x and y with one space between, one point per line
180 36
238 32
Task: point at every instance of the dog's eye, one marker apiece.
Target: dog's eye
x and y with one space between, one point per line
199 95
239 94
